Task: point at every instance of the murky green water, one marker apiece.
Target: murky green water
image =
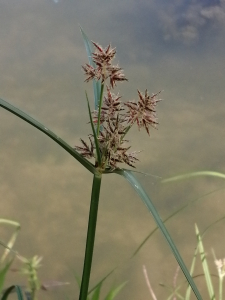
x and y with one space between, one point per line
177 47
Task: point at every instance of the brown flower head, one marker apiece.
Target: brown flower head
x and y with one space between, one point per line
85 150
112 145
103 56
104 68
110 108
143 112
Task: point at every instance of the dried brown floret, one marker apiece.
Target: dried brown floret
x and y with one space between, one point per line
104 68
143 112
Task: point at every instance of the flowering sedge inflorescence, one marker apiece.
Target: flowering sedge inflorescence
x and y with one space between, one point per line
113 117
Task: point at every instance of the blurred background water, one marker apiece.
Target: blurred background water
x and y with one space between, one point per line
174 46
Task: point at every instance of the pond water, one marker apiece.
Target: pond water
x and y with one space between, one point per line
176 47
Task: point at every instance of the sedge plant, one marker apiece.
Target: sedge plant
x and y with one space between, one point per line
108 147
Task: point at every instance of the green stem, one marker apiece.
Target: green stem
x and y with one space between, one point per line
220 287
100 108
90 236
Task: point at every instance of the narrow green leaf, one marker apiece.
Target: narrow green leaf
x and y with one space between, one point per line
143 195
101 281
10 290
99 110
172 215
78 280
96 293
96 83
205 265
174 292
188 290
12 239
94 134
194 174
3 273
10 222
115 291
19 113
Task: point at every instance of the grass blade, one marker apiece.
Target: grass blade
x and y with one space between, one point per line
94 134
170 216
92 222
96 293
3 273
188 291
10 290
101 281
115 291
205 265
194 174
141 192
12 239
96 83
19 113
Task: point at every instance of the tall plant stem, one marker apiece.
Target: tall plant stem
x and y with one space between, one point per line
90 236
100 108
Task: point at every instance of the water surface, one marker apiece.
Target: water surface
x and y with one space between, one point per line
177 47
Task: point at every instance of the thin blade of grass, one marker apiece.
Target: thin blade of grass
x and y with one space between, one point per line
96 83
194 174
13 237
10 290
3 273
143 195
10 222
101 281
205 265
188 291
9 245
99 110
211 225
94 134
96 293
22 115
175 295
115 291
170 216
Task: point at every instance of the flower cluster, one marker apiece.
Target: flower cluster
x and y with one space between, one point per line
115 117
143 112
104 68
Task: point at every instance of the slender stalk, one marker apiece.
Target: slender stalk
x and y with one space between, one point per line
90 236
220 287
99 109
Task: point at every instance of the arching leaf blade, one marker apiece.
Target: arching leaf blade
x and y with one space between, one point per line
24 116
94 134
194 174
96 83
180 209
147 201
11 289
